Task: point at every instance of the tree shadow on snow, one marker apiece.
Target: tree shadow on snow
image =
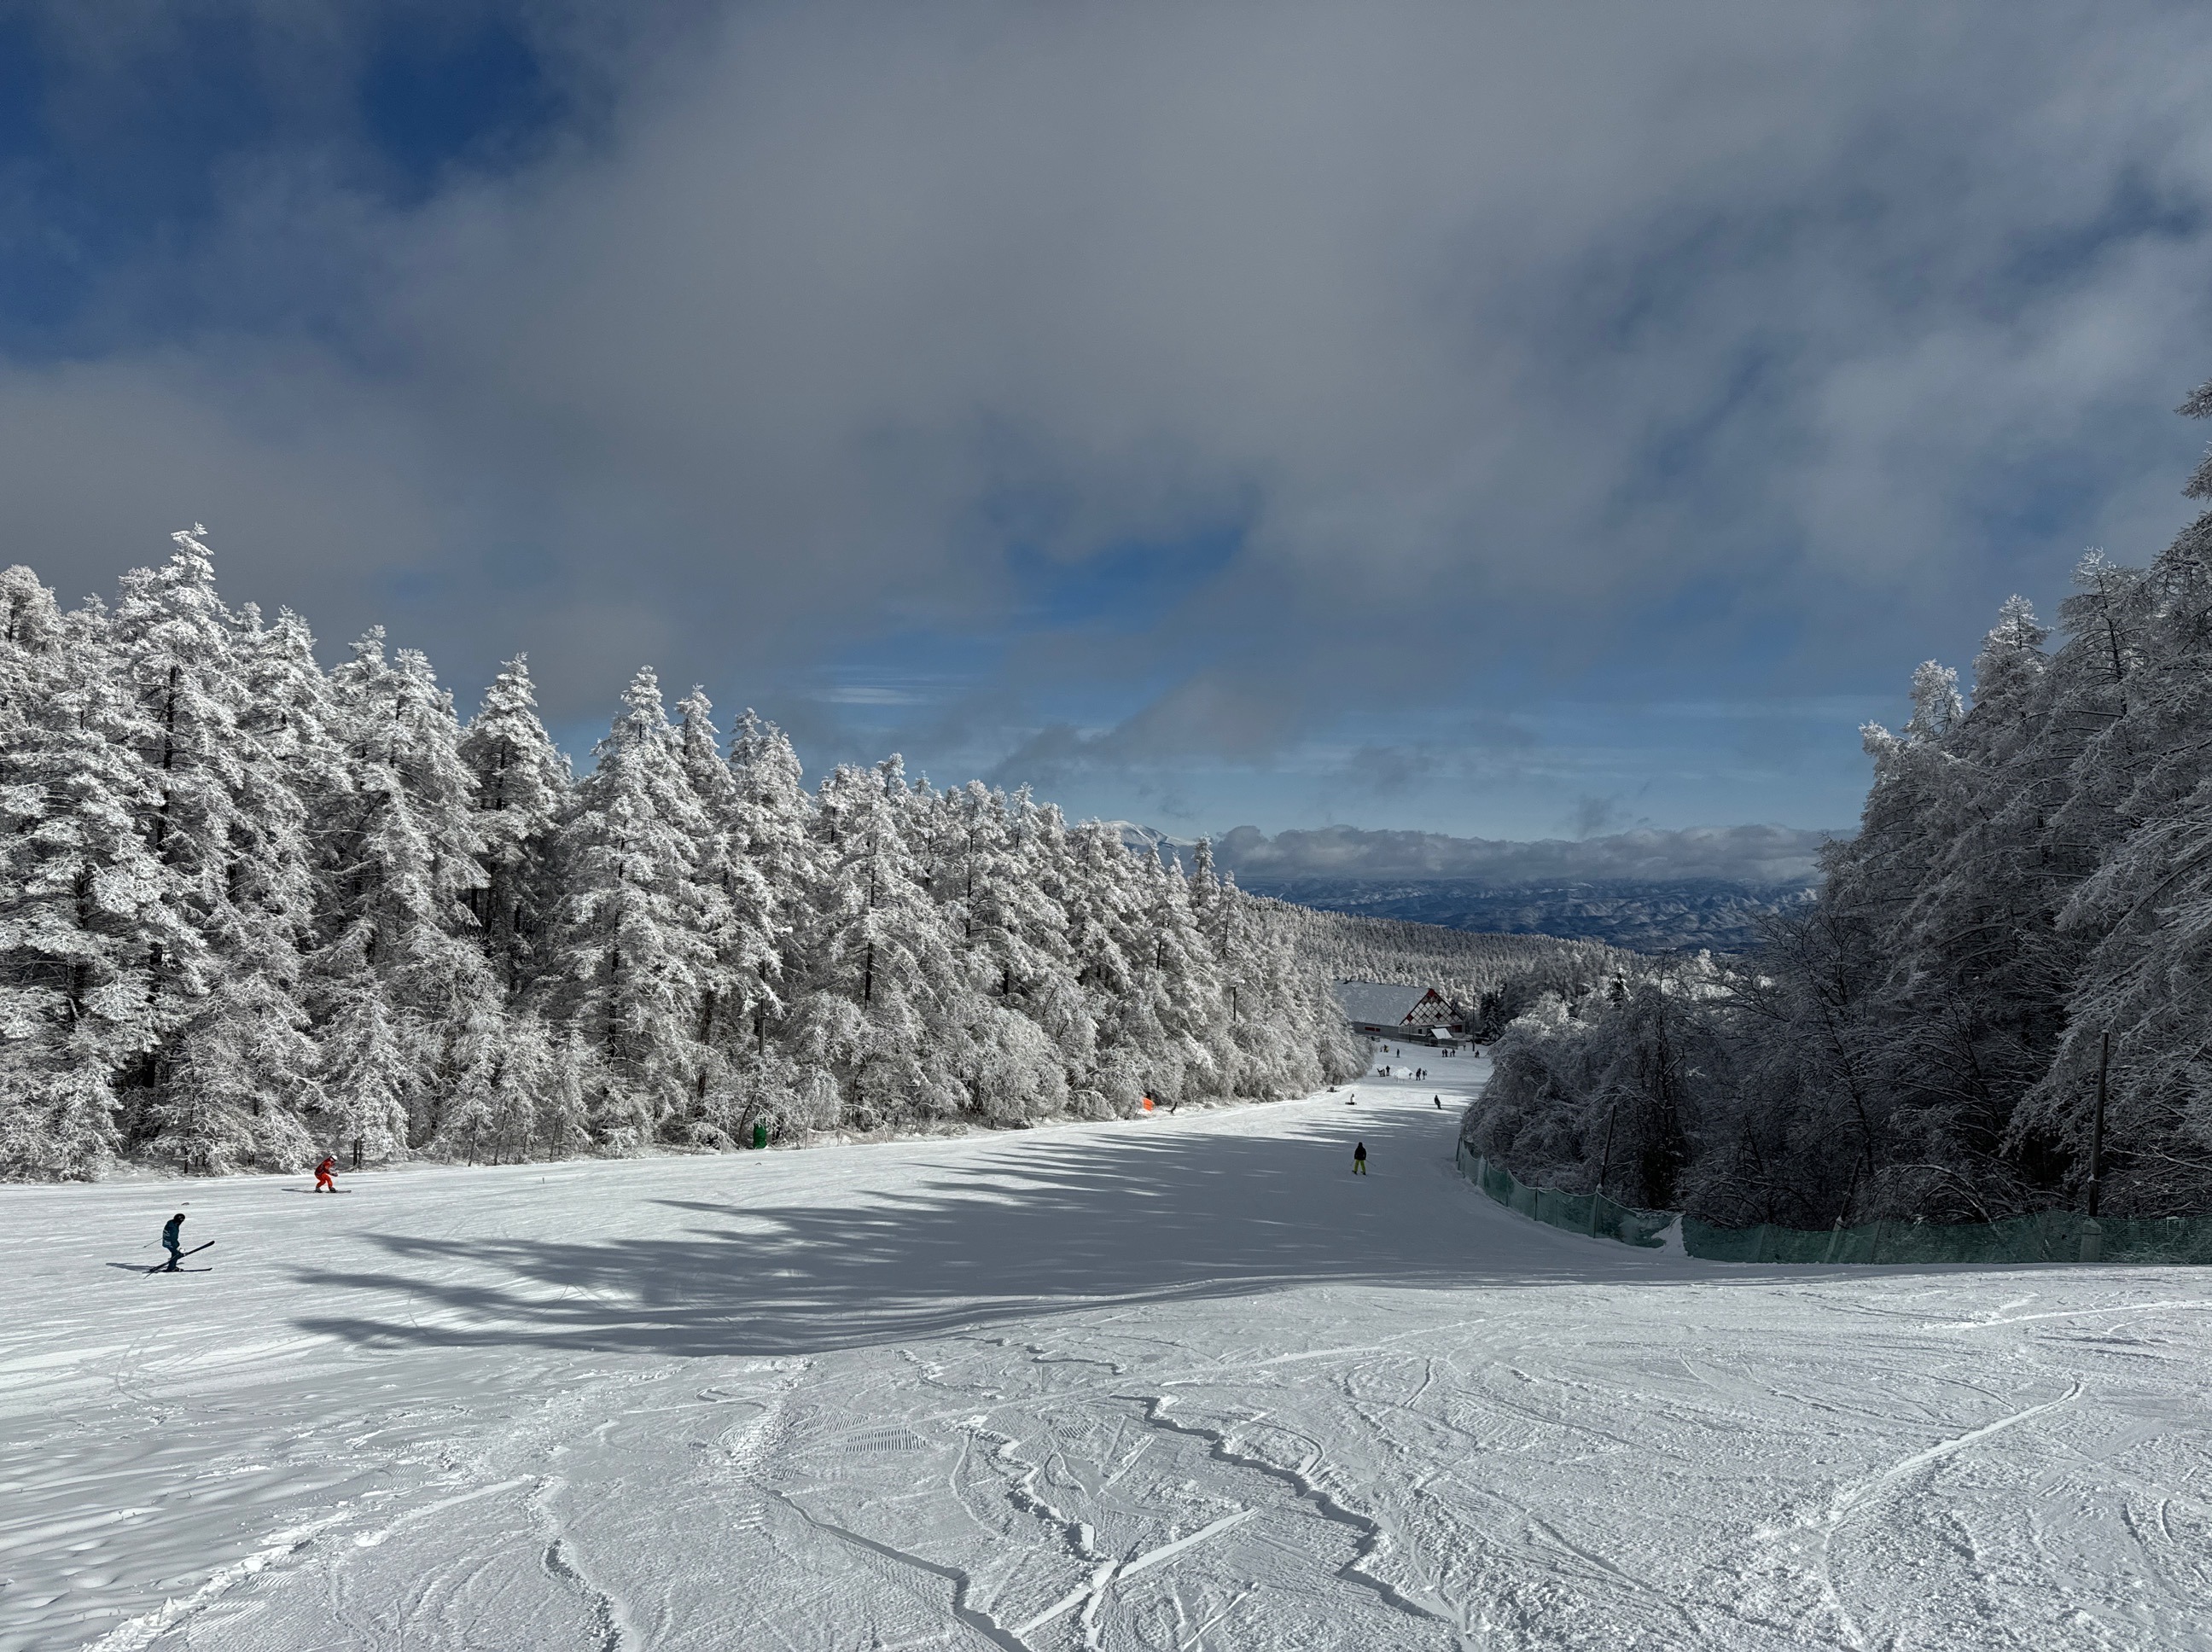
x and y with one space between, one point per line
1053 1225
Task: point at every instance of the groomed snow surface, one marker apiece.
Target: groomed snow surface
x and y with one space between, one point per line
1184 1383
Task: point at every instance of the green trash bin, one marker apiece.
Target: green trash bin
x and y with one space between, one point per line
760 1133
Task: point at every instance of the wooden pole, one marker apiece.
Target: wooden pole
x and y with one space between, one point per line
1851 1187
2097 1125
1836 1239
1604 1164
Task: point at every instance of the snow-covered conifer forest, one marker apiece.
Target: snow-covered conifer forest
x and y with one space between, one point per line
1493 978
252 911
2028 900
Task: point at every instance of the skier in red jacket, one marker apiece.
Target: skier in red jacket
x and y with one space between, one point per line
323 1182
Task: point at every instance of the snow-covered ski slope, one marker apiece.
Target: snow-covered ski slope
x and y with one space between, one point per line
1181 1384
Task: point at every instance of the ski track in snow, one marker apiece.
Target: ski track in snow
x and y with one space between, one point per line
1173 1384
1368 1533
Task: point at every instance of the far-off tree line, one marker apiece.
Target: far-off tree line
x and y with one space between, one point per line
2022 924
254 911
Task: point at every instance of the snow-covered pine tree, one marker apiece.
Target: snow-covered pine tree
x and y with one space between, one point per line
774 1085
2145 910
298 786
1210 910
192 804
369 1069
563 1106
1018 998
1106 939
1974 995
1926 1016
880 1014
1003 921
636 956
99 961
522 783
2108 622
32 641
1181 976
772 806
401 867
739 920
504 1064
1028 900
253 1039
1284 1032
1291 1037
1047 861
224 1089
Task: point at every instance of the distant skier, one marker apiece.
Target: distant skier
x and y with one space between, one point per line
1360 1159
1440 1103
323 1172
173 1240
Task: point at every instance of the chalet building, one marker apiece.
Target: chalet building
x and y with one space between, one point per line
1381 1011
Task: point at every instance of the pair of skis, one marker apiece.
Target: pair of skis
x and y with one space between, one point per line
170 1266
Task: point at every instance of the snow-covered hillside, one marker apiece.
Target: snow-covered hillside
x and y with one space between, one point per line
1178 1383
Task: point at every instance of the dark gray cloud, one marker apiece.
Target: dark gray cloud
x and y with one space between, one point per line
1594 815
1387 770
1729 344
1213 713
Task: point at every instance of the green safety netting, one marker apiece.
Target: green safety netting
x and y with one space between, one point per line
1590 1213
2047 1236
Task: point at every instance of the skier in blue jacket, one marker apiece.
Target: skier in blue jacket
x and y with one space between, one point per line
173 1240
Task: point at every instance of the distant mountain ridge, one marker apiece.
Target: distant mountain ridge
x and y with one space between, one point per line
1711 913
1750 855
1648 891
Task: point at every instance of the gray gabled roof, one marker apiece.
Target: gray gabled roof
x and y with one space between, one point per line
1375 1003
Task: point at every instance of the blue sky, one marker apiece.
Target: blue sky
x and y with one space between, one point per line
1497 421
